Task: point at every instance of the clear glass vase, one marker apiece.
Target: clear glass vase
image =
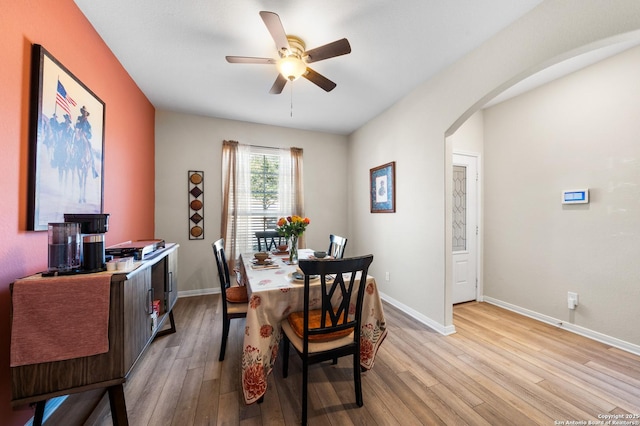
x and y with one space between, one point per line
293 250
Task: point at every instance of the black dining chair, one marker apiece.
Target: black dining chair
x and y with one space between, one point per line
329 332
337 245
269 239
235 301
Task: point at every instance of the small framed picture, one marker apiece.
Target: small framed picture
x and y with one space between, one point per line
382 188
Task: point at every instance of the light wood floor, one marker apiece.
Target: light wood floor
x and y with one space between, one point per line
498 369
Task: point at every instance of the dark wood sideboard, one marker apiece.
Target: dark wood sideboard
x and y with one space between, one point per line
130 333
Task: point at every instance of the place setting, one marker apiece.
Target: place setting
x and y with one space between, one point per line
261 260
281 250
320 255
297 277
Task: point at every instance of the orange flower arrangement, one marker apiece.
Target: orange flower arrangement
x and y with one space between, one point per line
292 226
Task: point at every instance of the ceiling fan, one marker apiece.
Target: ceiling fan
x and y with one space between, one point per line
293 60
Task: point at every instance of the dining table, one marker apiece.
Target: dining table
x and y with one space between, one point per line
274 292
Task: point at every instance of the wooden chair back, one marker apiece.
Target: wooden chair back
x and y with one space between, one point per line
337 244
269 240
236 294
223 270
337 283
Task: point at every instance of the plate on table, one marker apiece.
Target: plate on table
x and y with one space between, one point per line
298 278
265 262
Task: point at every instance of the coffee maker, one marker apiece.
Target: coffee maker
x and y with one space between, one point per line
92 230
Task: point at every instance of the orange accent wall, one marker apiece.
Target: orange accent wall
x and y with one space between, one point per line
63 30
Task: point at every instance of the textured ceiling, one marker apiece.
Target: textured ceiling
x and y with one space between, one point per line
175 52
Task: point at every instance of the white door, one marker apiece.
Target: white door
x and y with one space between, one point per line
465 227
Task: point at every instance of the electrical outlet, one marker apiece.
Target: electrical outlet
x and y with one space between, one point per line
572 300
387 276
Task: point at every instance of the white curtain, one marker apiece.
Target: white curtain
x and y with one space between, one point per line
286 193
243 241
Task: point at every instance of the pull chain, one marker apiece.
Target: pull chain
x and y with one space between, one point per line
291 94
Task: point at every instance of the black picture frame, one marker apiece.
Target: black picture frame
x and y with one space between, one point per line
382 188
66 137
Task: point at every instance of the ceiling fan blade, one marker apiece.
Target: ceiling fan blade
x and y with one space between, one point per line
274 25
337 48
319 80
278 85
249 60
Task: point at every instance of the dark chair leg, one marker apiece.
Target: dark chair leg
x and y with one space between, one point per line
357 379
225 335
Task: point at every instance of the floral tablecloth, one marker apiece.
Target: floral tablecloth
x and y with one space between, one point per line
272 296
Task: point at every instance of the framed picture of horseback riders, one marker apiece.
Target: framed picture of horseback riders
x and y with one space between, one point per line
66 132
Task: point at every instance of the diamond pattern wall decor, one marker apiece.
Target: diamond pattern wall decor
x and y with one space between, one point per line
196 205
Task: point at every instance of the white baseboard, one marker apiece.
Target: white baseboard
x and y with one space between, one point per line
594 335
444 330
201 292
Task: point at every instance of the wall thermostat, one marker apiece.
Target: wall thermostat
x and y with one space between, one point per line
575 196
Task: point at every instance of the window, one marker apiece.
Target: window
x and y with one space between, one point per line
260 185
264 208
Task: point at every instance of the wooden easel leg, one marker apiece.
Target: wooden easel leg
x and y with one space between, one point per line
118 406
39 415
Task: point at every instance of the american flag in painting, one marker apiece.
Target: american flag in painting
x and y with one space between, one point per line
63 99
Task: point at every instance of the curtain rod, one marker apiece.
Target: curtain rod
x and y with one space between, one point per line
270 147
262 146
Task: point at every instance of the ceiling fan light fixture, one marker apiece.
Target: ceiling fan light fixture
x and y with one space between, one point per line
291 67
294 57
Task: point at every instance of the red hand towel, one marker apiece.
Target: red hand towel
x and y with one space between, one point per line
58 318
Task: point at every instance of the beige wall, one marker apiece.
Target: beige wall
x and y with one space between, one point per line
469 137
577 132
187 142
414 243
